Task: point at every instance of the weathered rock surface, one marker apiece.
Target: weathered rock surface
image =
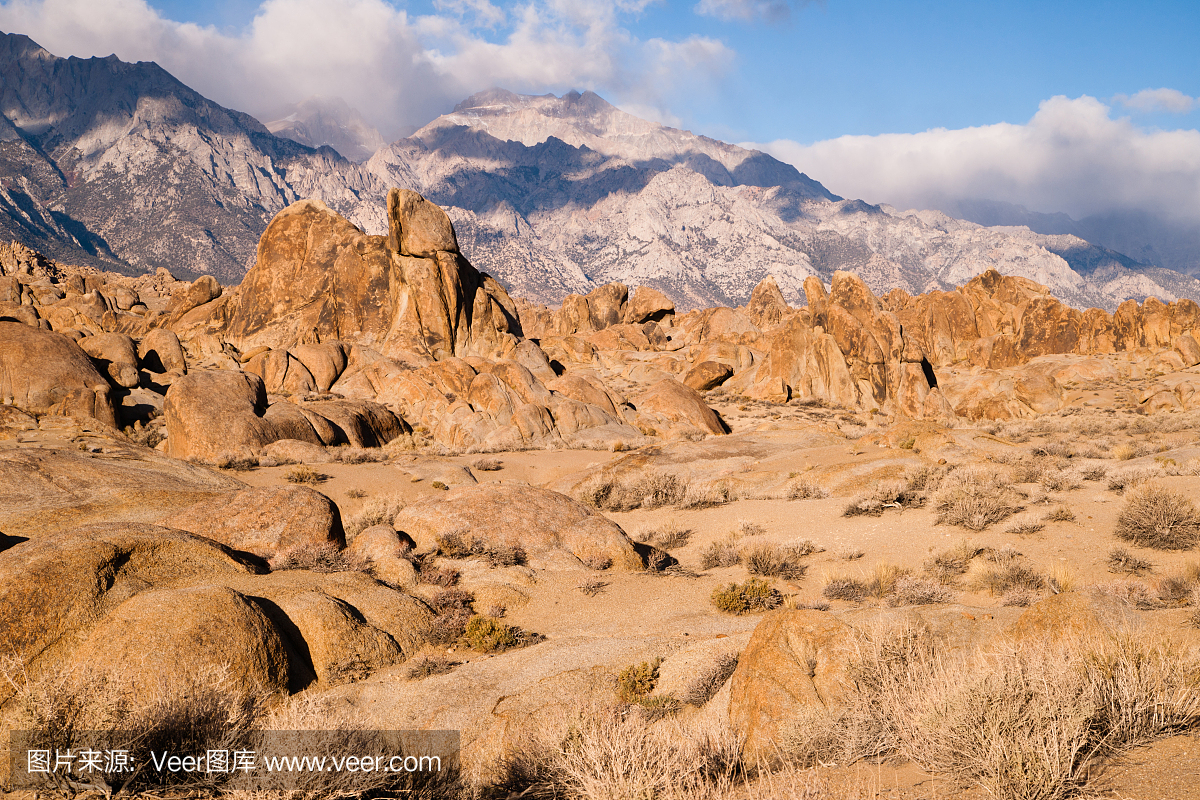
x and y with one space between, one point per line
48 373
547 525
268 522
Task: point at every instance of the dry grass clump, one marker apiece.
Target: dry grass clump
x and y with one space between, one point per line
948 565
911 590
305 474
649 489
668 536
1129 477
1121 561
326 557
805 489
487 464
355 493
425 665
1007 573
886 494
773 560
709 682
848 553
1060 513
707 495
746 598
1178 588
608 754
452 610
592 587
1093 472
721 553
844 587
461 544
1025 528
1021 723
748 527
1155 516
975 498
349 454
376 511
638 680
1062 480
236 461
434 574
1131 592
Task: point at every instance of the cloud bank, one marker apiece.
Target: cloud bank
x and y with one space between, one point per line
1073 156
395 68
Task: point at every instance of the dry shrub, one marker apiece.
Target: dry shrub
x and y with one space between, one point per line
1125 452
1131 592
649 489
773 561
460 544
592 587
805 489
1177 589
885 494
746 598
359 455
848 553
1062 480
425 665
429 571
326 557
707 495
488 635
910 590
1121 561
638 680
709 682
1129 477
1154 516
1009 572
1019 598
975 498
452 608
376 511
668 536
608 754
355 494
305 474
1093 472
721 553
1059 513
746 527
487 464
843 587
1025 528
948 565
1022 722
236 461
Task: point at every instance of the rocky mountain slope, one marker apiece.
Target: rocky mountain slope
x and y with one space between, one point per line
121 166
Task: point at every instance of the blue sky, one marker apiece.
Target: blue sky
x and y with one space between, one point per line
1062 106
839 67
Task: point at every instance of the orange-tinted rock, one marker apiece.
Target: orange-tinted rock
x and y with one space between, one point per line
671 400
47 372
767 308
648 305
417 227
707 375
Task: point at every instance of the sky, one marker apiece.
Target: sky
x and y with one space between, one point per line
1075 107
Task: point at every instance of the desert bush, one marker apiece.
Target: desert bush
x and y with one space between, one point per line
429 571
843 587
326 557
461 544
1025 528
1062 480
145 436
1121 560
886 494
452 608
355 494
1009 572
488 635
1125 452
707 495
649 489
668 536
882 580
910 590
440 486
1060 513
773 561
305 474
637 680
236 461
425 665
1129 477
1132 592
1154 516
1093 472
848 553
376 511
709 682
592 587
1020 598
746 598
805 489
948 565
1176 589
748 527
975 498
487 464
721 553
1020 722
359 455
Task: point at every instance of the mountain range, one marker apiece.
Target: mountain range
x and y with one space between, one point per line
122 166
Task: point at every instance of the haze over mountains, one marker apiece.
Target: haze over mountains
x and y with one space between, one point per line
122 165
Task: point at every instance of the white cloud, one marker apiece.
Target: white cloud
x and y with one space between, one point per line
1149 100
748 10
1072 156
396 69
